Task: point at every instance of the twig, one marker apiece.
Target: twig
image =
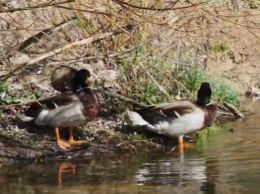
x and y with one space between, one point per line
35 38
94 57
109 93
89 11
233 22
156 83
234 110
36 6
157 9
89 40
9 106
99 90
183 87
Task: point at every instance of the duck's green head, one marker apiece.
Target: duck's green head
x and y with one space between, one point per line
204 94
81 79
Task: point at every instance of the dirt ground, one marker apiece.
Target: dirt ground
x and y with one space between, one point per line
239 65
227 42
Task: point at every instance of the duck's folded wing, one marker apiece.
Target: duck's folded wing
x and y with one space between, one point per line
49 103
176 105
59 100
64 116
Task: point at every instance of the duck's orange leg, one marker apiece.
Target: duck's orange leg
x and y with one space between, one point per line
74 142
62 144
181 146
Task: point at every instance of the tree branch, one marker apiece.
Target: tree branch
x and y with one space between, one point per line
89 40
35 7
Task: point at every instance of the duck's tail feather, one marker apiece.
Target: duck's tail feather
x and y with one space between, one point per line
136 118
40 120
24 118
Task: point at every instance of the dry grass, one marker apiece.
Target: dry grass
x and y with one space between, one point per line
172 33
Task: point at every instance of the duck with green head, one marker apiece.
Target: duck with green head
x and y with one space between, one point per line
175 119
67 109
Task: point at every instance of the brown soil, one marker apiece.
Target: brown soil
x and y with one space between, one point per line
239 64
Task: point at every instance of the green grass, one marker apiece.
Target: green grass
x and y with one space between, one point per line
203 137
143 78
175 82
221 92
219 47
7 98
191 78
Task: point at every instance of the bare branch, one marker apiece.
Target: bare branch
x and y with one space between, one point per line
158 9
35 38
234 110
36 6
89 40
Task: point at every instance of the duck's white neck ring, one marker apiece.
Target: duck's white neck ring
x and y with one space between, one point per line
78 90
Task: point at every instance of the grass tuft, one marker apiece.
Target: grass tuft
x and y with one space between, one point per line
219 47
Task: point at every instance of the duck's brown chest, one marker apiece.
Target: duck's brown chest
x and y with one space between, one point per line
91 112
210 115
91 106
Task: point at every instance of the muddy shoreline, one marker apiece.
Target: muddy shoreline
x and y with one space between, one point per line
37 144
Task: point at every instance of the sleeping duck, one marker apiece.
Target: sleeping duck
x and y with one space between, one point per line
75 106
178 118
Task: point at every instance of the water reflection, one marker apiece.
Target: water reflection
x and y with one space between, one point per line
63 168
221 163
167 170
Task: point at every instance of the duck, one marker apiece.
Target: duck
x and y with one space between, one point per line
71 107
177 118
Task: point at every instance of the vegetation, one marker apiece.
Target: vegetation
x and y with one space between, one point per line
158 48
154 82
219 47
155 63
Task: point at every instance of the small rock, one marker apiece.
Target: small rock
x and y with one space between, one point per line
19 59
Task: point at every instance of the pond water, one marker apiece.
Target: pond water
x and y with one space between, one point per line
223 162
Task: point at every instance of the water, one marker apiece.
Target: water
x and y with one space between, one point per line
226 162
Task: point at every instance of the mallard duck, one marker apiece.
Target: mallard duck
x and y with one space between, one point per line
67 109
178 118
